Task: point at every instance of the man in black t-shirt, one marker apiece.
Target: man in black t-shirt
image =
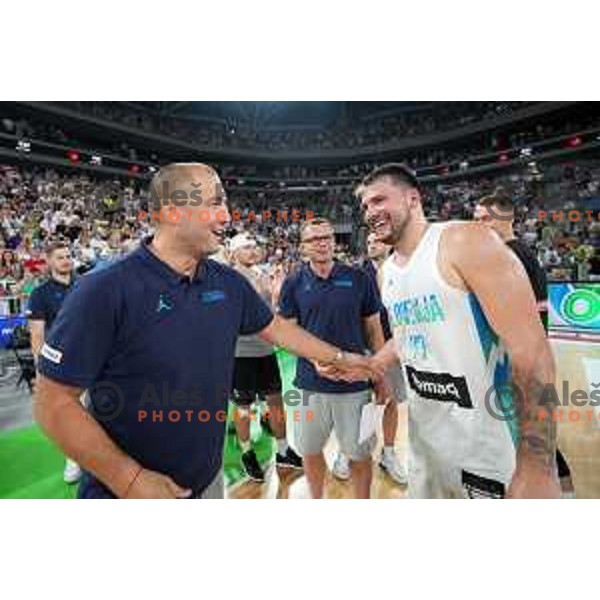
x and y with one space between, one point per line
498 211
536 274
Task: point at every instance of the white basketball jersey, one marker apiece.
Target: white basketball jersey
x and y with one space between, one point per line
452 359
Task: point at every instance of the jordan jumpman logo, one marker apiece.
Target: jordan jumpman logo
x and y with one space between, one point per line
164 303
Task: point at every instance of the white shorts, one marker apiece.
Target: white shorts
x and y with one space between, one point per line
432 476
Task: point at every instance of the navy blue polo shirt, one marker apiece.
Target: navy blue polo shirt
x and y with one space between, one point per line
333 310
45 301
371 271
140 336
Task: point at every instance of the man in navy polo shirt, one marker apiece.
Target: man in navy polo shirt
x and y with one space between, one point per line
340 305
43 306
46 300
152 337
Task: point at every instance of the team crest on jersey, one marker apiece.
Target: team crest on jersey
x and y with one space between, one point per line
345 283
212 296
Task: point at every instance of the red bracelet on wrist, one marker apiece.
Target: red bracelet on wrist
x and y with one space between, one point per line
132 481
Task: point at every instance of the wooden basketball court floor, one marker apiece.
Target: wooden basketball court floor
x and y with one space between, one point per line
578 363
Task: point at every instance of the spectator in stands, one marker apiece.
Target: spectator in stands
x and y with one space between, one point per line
10 267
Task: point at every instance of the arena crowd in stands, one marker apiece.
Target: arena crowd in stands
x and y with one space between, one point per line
100 218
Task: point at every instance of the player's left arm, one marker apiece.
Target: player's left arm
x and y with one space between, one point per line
500 283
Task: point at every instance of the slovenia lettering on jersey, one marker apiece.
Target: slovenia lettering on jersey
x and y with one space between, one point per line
421 309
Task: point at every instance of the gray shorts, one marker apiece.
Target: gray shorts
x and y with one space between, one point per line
395 377
215 489
323 413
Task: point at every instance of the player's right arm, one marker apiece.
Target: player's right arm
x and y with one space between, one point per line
387 356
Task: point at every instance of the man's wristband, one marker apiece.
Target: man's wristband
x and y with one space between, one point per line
137 474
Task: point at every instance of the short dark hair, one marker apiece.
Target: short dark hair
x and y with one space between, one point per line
57 244
399 173
316 222
499 197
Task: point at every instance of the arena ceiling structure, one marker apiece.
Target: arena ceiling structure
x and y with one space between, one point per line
265 115
323 143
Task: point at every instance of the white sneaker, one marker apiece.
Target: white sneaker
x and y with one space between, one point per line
72 472
391 464
341 467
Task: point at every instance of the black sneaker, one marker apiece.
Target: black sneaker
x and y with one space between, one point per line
289 460
252 467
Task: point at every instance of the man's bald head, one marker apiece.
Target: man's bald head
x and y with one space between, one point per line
182 184
191 205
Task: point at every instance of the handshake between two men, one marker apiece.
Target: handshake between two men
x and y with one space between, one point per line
332 362
356 367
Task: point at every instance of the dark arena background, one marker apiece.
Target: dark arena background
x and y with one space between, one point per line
80 171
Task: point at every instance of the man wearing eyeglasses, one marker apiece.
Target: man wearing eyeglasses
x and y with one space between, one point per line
338 304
